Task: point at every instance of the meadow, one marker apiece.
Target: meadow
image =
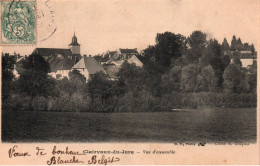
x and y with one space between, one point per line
209 125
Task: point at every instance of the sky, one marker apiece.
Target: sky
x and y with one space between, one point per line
102 25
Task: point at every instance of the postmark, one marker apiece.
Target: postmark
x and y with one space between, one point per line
18 22
45 19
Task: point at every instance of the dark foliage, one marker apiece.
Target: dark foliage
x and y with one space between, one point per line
34 81
7 74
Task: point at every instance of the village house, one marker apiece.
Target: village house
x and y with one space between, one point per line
135 60
247 58
120 54
88 66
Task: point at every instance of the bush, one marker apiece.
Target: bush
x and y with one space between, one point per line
68 103
17 102
39 103
143 101
206 99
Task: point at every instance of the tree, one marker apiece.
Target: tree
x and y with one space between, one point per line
246 47
37 63
213 56
189 78
240 45
76 76
207 80
234 79
36 84
225 45
234 43
252 77
132 76
168 48
237 61
103 92
252 49
7 74
197 42
171 81
34 81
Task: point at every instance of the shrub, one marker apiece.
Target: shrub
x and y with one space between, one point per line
17 102
39 103
142 101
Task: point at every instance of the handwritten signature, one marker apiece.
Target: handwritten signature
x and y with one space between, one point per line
103 160
94 160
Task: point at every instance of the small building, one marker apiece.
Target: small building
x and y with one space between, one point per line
247 58
135 60
88 66
120 54
127 53
112 71
117 63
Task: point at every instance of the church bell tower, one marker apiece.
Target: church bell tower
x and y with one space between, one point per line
74 46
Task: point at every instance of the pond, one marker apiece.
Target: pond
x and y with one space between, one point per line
190 125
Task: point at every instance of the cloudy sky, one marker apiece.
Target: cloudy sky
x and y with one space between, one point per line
103 25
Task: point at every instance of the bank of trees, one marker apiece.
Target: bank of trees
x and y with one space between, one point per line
178 71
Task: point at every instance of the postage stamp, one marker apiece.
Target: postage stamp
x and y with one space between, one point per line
18 22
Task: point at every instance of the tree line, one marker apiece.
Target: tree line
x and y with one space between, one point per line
178 71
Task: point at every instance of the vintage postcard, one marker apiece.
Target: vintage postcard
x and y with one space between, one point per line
129 82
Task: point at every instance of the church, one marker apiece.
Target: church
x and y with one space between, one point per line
62 61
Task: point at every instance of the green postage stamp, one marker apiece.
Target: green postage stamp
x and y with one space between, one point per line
18 22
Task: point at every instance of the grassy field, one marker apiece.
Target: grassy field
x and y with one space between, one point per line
208 125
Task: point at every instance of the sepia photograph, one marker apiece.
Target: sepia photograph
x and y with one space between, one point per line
136 71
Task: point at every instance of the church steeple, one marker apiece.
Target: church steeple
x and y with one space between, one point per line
74 41
75 46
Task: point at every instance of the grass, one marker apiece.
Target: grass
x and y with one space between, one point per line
209 125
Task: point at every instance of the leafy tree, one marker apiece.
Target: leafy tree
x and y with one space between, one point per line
76 76
237 61
252 77
197 42
37 63
234 79
69 86
171 81
207 80
34 81
132 76
170 46
213 56
7 74
189 78
36 84
103 92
